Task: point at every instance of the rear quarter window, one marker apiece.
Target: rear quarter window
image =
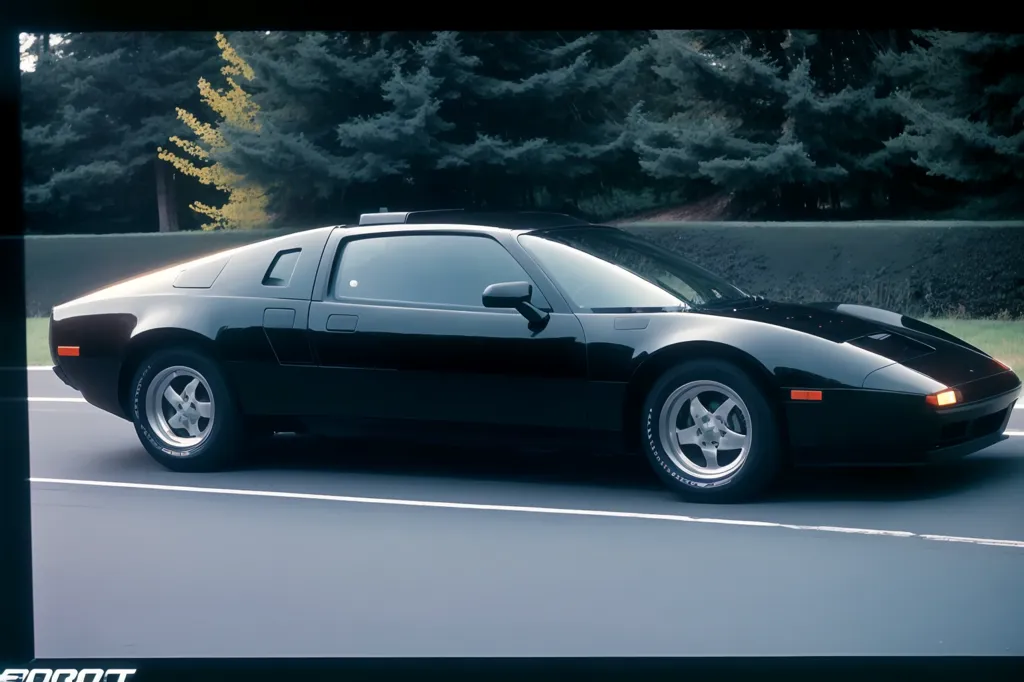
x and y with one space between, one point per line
279 274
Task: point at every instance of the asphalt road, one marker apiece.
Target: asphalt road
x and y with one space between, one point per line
370 552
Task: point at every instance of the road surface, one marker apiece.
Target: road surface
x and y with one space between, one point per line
386 552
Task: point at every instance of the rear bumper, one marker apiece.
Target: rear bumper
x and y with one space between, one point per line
872 429
96 371
96 380
63 376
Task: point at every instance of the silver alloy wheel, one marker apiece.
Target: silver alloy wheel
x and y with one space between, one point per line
179 407
716 425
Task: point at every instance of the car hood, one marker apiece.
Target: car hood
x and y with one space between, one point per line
908 341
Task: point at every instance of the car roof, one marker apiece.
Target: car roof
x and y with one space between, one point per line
518 221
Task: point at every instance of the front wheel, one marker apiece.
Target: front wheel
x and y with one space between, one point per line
184 413
710 433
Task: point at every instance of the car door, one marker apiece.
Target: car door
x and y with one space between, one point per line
400 332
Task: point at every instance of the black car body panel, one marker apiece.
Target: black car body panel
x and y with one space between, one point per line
300 350
227 317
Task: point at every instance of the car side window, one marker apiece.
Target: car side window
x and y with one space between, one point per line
428 269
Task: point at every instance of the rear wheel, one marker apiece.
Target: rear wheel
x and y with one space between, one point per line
184 412
710 434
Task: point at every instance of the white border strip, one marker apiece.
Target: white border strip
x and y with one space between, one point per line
1018 544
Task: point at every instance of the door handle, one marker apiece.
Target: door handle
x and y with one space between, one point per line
342 323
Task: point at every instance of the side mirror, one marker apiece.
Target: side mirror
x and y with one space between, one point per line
515 295
507 294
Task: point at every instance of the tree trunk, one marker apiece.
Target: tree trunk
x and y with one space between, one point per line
165 204
42 45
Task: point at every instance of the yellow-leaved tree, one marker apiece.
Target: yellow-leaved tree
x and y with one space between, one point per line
246 205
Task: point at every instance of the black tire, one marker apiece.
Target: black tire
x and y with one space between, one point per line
222 446
764 457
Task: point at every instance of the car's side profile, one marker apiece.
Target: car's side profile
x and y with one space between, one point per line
526 328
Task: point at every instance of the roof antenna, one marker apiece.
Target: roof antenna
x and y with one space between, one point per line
382 209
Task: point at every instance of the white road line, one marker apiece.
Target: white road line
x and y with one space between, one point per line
33 399
1019 544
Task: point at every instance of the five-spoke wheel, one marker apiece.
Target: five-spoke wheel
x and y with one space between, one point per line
705 429
179 406
710 433
183 411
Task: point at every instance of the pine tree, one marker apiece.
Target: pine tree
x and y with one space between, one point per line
715 116
508 120
94 110
961 96
246 205
306 85
789 122
354 121
544 116
837 107
401 145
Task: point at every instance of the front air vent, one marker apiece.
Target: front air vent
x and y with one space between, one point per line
895 347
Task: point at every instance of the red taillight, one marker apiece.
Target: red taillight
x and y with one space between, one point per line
67 351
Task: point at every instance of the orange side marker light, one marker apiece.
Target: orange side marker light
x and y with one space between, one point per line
805 395
943 398
67 351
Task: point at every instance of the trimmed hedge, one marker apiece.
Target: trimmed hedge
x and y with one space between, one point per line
972 269
919 268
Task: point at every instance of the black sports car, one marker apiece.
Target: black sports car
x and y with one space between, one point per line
526 328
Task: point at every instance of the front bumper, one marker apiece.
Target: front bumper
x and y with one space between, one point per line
877 429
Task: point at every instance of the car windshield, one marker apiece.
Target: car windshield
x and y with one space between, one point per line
608 270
